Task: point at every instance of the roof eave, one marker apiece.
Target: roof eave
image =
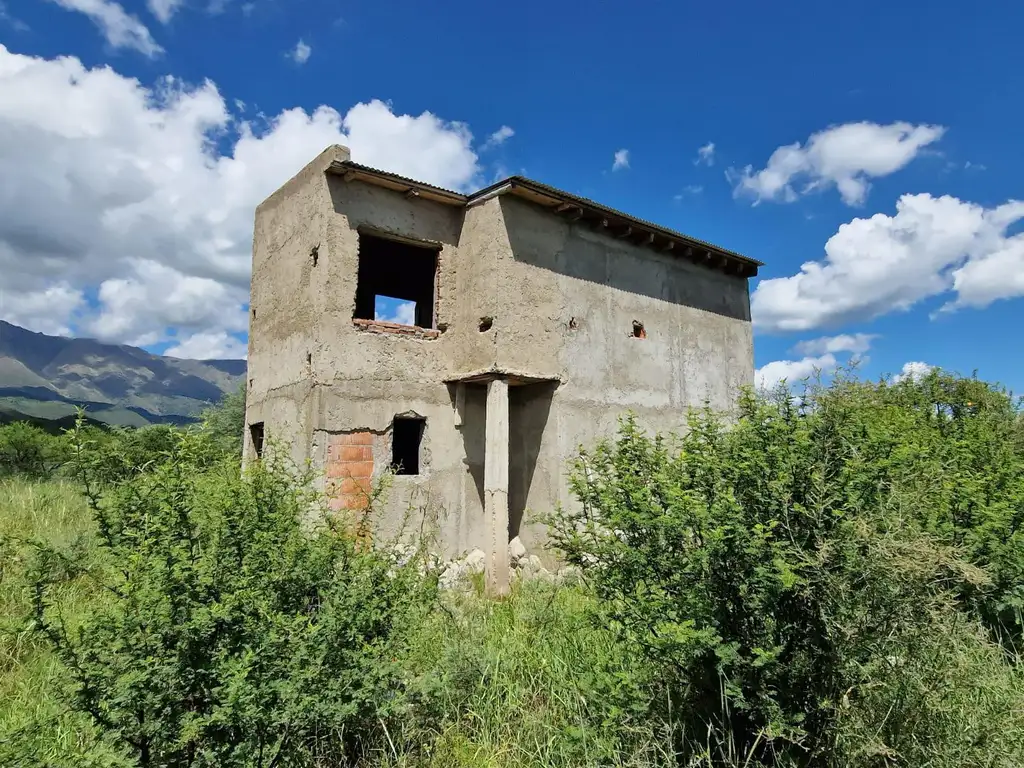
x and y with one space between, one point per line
350 171
621 225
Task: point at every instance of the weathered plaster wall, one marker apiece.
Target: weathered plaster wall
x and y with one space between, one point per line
577 293
562 298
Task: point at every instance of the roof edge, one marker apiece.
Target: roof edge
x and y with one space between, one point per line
568 206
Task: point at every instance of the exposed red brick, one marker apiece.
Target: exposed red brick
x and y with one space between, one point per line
354 453
379 326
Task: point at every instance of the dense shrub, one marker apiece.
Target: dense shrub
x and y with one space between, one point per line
790 573
27 450
225 422
226 633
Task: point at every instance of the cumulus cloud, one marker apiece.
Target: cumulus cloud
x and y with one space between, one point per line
818 355
215 345
855 343
931 246
845 156
121 29
164 9
621 160
913 371
403 312
300 53
499 137
126 211
771 375
706 154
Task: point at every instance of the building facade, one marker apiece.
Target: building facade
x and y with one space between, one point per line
540 318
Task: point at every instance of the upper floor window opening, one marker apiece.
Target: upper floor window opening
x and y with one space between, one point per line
396 282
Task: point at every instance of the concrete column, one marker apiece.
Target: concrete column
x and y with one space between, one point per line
496 486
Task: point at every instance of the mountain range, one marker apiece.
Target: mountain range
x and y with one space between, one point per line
49 377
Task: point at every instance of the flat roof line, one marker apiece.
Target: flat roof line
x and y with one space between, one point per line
566 205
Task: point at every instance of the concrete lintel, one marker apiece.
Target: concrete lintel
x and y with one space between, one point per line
513 377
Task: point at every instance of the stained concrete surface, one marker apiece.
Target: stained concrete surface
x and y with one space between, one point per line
562 299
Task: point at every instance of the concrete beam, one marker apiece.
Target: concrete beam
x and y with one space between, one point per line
496 438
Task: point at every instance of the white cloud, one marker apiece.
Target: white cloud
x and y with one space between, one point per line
621 160
706 154
46 310
855 343
845 156
913 371
405 314
500 136
301 53
142 198
771 375
121 29
931 246
164 9
216 345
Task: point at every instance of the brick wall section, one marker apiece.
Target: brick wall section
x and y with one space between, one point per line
350 470
380 326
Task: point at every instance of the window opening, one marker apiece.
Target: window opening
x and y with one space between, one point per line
406 438
395 282
256 435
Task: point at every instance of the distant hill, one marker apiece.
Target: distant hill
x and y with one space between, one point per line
47 377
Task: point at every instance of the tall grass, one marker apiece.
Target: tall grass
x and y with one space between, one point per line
532 680
36 726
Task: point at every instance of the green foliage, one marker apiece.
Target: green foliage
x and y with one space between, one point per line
28 450
530 680
775 569
224 632
225 422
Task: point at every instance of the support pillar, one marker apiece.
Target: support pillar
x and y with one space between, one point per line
496 437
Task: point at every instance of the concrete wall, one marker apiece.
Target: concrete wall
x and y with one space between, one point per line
563 299
576 294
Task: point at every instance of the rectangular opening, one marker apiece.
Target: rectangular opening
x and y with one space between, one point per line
256 435
406 437
395 282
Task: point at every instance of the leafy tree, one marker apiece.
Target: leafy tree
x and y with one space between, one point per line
226 421
230 632
28 450
782 569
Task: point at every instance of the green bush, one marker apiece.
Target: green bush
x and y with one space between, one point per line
225 632
225 422
28 450
785 572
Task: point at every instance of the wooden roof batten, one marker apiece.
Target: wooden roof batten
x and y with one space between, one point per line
574 209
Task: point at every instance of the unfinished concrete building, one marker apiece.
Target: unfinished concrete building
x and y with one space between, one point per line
540 318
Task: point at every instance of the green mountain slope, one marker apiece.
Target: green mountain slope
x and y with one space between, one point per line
47 377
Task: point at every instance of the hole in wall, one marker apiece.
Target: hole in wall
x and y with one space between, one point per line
315 254
395 282
573 323
309 358
486 323
256 435
638 330
406 444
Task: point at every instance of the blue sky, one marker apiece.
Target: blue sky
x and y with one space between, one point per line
880 140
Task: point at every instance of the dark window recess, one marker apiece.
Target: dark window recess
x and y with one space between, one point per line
256 435
406 437
396 270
